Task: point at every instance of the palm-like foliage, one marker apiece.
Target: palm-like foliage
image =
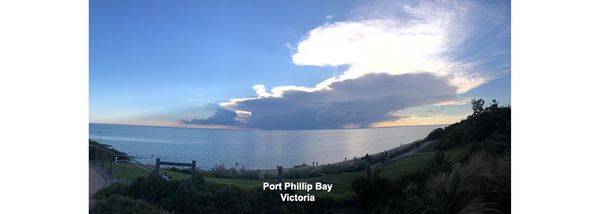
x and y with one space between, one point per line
463 189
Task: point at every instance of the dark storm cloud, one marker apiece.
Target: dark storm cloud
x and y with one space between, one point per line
220 117
349 103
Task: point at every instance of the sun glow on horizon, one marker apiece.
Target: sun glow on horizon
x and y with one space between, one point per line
420 121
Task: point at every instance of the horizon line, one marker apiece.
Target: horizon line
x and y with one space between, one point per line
240 128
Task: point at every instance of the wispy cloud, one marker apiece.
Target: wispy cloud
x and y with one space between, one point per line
435 37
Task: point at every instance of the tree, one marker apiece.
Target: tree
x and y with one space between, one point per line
477 106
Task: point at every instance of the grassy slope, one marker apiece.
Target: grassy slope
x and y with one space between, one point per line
131 172
128 171
342 182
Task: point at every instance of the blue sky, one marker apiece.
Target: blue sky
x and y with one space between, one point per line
178 62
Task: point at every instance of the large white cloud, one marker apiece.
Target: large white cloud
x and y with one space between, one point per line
422 38
452 45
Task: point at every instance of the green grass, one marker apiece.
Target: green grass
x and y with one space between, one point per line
175 175
431 146
129 171
342 182
453 154
399 167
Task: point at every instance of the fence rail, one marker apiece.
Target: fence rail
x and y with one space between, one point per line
137 164
103 159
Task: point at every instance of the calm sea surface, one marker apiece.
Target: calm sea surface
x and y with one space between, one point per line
254 149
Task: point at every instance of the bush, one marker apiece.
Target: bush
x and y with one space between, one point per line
151 189
114 188
435 134
119 204
481 184
147 194
221 171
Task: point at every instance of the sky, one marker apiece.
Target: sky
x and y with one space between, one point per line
295 64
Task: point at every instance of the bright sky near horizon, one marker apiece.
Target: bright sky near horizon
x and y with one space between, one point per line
295 64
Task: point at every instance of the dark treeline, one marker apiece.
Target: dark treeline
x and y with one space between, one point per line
478 183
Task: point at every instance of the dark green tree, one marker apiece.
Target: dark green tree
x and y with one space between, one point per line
477 106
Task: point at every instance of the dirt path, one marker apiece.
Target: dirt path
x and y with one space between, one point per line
97 181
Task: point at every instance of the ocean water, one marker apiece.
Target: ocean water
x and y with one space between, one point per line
253 149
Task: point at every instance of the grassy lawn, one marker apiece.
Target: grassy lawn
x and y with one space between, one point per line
405 165
342 182
129 171
175 175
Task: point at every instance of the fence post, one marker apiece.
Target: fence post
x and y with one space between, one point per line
193 167
280 174
369 172
157 166
115 168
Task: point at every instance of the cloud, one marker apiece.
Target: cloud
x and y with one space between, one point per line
432 36
350 103
398 54
454 102
220 117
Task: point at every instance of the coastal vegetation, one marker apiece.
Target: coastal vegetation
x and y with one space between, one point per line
465 168
479 182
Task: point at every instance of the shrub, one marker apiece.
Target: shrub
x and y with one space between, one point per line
114 188
120 204
435 134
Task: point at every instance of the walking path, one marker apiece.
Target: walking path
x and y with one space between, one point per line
97 181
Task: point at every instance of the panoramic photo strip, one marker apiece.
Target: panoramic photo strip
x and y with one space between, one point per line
341 106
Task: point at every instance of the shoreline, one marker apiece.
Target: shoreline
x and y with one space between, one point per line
395 153
377 159
380 155
262 150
